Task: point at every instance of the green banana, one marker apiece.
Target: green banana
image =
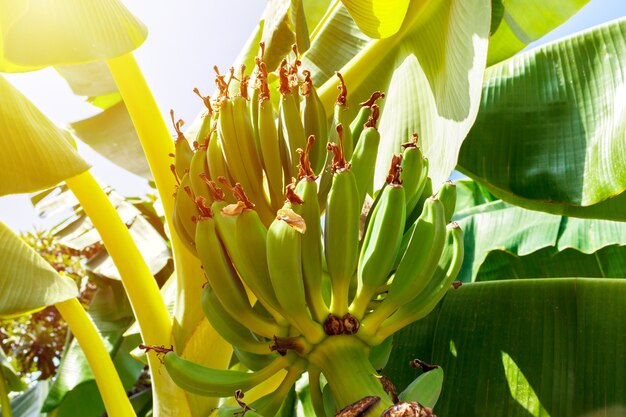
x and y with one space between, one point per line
210 382
427 192
289 116
226 218
341 232
252 361
381 241
198 167
224 280
416 267
269 404
186 211
250 157
447 270
358 124
447 195
363 160
251 262
268 139
312 250
228 327
414 172
177 221
284 261
314 122
239 151
183 152
340 117
215 160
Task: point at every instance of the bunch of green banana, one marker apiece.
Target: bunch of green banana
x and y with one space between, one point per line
270 199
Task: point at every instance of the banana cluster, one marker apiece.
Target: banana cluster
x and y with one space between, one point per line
272 203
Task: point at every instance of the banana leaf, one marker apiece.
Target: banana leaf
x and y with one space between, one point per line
28 403
431 70
523 348
516 23
516 234
27 282
35 153
550 131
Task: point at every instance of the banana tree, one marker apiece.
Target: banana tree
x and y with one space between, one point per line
434 60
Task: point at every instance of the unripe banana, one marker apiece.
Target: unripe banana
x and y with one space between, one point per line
426 193
269 404
248 151
341 232
268 138
416 267
185 212
438 285
215 160
235 131
251 261
340 117
197 169
358 124
284 259
224 279
289 116
414 172
314 122
226 218
183 152
177 222
312 249
381 241
228 327
363 162
447 195
210 382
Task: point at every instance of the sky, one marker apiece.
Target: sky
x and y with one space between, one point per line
186 38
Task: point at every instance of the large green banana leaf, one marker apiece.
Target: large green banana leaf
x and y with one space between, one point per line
607 262
498 226
35 153
523 348
27 281
516 23
550 132
431 71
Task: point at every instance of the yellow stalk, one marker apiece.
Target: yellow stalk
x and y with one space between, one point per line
153 133
113 394
141 288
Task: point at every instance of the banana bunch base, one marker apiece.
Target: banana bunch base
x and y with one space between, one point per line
299 278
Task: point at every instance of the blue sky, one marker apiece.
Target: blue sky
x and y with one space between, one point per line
186 39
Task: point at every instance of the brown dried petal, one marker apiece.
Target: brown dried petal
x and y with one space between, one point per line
292 218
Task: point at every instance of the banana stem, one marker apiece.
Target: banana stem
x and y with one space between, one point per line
113 394
5 403
153 133
344 361
140 286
